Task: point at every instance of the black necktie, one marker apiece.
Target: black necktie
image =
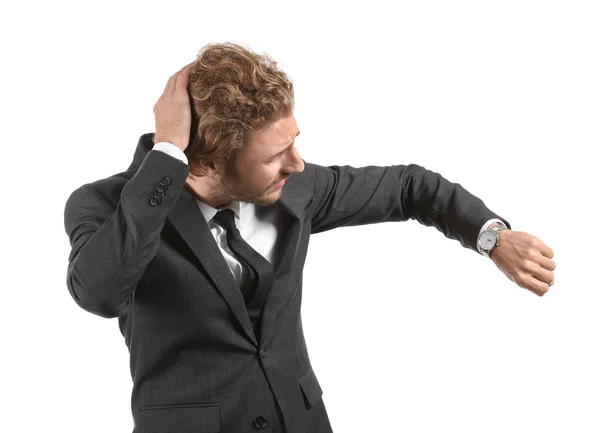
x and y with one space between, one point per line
261 271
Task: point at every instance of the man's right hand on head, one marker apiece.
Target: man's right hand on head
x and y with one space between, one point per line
172 111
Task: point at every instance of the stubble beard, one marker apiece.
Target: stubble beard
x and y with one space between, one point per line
233 189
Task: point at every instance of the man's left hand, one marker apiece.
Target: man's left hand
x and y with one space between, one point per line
525 260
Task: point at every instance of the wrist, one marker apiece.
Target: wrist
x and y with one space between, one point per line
164 139
489 237
170 149
500 235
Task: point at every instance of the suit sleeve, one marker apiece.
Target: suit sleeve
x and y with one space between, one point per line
114 228
349 196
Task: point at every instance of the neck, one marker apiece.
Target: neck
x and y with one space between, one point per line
204 196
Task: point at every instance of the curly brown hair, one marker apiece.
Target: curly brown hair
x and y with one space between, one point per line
232 90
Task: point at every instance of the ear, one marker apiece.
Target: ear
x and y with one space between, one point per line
202 168
216 167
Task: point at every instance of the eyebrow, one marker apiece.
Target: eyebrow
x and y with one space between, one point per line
284 150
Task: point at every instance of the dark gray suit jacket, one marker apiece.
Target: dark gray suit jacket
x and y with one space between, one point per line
153 263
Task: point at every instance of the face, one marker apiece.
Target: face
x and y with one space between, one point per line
269 157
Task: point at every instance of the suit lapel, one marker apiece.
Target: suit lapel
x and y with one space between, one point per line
189 221
289 270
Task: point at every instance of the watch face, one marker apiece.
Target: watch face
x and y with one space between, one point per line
488 239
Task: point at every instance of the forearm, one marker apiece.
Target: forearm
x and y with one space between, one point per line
345 196
115 232
449 207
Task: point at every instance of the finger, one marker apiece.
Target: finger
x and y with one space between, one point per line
542 274
170 86
546 250
183 76
186 67
172 82
546 263
536 286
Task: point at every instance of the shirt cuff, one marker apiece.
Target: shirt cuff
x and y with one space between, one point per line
485 226
172 150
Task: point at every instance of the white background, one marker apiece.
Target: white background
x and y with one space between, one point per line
407 331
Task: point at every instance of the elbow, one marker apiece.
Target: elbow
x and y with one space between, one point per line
110 310
90 298
106 308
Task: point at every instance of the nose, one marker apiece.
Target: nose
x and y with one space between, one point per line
296 164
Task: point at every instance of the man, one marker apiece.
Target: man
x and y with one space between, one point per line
198 248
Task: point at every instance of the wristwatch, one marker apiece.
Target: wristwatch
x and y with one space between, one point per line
488 239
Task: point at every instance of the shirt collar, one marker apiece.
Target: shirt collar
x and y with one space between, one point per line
209 212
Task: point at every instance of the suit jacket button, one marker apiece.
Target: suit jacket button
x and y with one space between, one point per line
162 187
260 422
263 352
159 194
155 201
165 180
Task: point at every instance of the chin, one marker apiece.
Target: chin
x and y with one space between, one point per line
268 199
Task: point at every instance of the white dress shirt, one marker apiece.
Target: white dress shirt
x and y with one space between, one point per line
260 228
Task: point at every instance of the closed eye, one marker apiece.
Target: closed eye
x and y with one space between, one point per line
276 157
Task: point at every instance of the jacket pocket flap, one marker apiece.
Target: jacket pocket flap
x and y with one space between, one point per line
310 387
182 418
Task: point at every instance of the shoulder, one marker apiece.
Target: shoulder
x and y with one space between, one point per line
302 182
